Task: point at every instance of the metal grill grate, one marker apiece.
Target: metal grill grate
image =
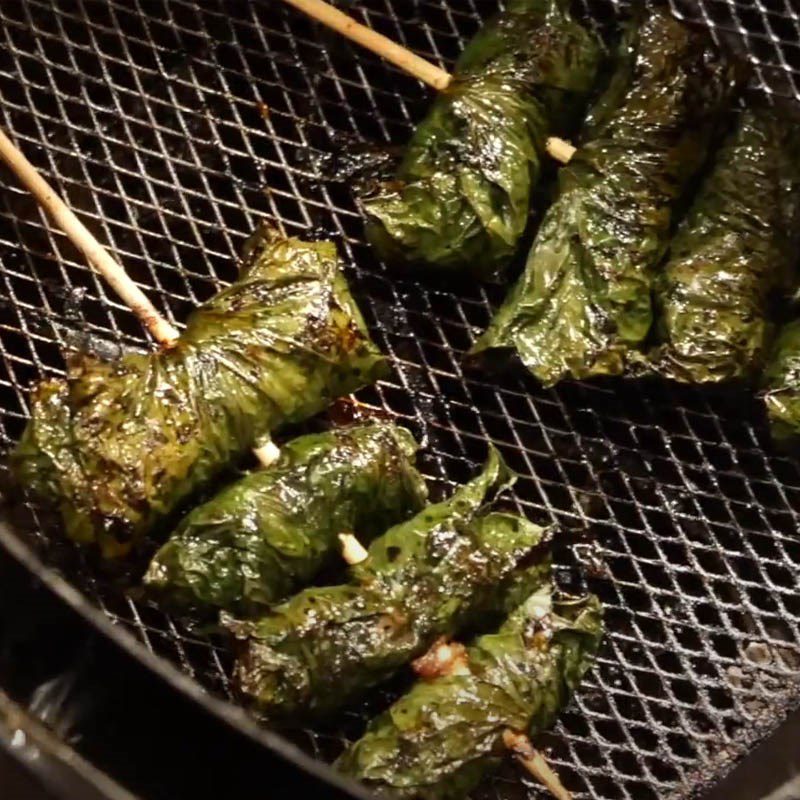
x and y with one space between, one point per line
171 126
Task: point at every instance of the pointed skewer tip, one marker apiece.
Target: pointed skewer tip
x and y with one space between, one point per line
534 762
267 453
353 552
560 149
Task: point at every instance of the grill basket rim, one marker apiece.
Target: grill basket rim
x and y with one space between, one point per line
424 375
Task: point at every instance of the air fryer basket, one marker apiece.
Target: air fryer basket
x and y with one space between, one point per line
173 126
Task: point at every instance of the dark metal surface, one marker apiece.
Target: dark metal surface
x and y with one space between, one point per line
36 765
173 126
113 707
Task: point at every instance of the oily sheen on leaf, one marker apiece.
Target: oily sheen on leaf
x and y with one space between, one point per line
438 740
584 299
735 250
449 566
269 533
461 197
120 445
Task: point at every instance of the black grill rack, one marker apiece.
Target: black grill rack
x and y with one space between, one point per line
173 126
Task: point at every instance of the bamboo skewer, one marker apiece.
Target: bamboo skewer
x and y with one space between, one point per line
560 149
535 763
374 41
353 552
130 294
99 258
400 56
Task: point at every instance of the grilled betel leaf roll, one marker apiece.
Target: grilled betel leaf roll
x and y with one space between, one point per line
119 445
781 384
462 194
585 296
422 579
735 248
267 534
438 740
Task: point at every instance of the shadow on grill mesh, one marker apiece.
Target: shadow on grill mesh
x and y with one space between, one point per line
173 126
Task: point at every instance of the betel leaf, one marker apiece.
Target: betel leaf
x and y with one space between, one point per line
462 194
262 537
734 250
585 296
448 566
781 385
438 740
120 445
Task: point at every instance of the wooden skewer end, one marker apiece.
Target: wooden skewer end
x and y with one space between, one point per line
534 762
161 330
560 149
85 241
372 40
353 552
267 453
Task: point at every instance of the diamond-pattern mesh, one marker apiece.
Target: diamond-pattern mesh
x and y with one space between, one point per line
172 126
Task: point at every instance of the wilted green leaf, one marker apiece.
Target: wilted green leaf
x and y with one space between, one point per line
462 194
270 532
585 297
120 445
427 577
437 741
734 249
